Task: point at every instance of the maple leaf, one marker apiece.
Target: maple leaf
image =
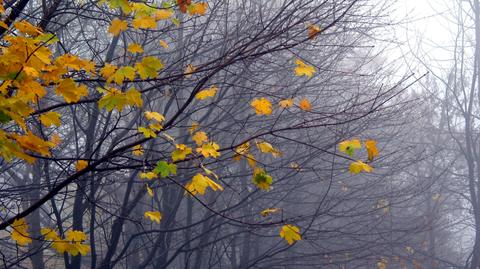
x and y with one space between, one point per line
209 150
286 103
181 152
33 143
163 44
114 98
189 70
50 118
75 246
153 216
124 5
117 26
138 150
291 233
146 22
305 105
349 146
206 93
313 31
147 132
81 164
69 90
26 28
359 166
183 5
197 9
200 183
163 14
147 175
266 147
125 72
108 70
20 232
194 127
200 138
261 179
262 106
152 115
149 67
150 191
269 211
372 150
134 48
303 69
165 169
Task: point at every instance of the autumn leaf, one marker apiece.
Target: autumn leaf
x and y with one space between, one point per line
147 132
108 70
206 93
146 22
81 164
181 152
165 169
134 48
149 67
286 103
147 175
138 150
124 72
20 232
200 138
262 106
305 105
27 28
150 191
189 70
163 14
75 246
291 233
349 146
163 44
269 211
50 118
303 69
313 31
117 26
152 115
200 183
209 150
69 90
183 4
261 179
197 9
266 147
359 166
372 150
153 216
34 143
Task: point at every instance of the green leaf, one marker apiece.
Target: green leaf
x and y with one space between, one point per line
164 169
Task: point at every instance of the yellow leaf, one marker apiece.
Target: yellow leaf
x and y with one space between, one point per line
189 70
313 31
372 150
149 67
359 166
163 14
305 105
303 69
55 140
163 44
108 70
290 233
147 175
349 146
50 118
3 25
117 26
200 138
147 132
194 127
266 147
152 115
138 150
124 72
20 232
26 28
209 150
150 191
146 22
181 152
206 93
153 216
269 211
69 90
197 9
81 164
34 143
200 183
262 106
134 48
261 179
286 103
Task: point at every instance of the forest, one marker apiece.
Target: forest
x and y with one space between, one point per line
239 134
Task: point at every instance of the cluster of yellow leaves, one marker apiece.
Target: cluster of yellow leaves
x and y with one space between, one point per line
116 99
350 146
20 232
263 106
291 233
72 243
199 8
200 183
244 151
81 164
209 149
155 125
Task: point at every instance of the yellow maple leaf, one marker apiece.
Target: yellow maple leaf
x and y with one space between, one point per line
197 8
117 26
27 28
34 143
200 183
303 69
286 103
359 166
147 175
138 150
152 115
149 67
181 152
305 104
266 147
147 132
209 150
163 14
134 48
262 106
146 22
194 127
124 72
200 138
81 164
206 93
313 31
372 150
349 146
50 118
20 232
291 233
153 216
108 70
69 90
